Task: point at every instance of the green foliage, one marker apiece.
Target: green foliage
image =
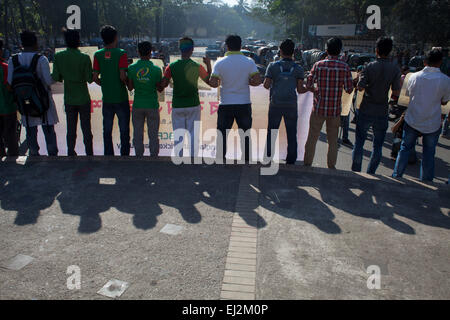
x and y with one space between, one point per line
133 18
419 21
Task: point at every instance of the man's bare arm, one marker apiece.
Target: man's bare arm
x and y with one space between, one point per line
301 89
123 76
255 80
96 78
214 82
164 83
267 83
207 62
130 85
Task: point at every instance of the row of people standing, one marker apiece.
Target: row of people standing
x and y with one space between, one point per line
234 74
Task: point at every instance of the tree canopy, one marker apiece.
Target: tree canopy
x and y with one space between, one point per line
408 21
174 18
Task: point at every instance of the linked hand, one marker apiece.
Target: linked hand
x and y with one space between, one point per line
207 60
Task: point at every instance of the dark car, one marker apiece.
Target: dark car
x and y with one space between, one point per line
255 57
213 51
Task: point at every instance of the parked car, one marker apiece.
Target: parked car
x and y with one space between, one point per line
255 57
213 51
252 55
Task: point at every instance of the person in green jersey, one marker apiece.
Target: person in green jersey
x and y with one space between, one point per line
9 139
144 77
110 72
186 103
75 69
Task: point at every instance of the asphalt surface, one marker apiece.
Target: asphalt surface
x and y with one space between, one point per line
60 214
442 158
318 231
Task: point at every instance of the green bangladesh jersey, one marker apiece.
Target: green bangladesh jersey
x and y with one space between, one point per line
185 74
75 69
145 75
7 104
109 62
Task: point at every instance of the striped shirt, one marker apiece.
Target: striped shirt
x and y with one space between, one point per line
331 76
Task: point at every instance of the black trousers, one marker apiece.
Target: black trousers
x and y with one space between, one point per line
72 113
9 138
227 114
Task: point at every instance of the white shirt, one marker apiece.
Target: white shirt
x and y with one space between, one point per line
234 72
427 89
43 73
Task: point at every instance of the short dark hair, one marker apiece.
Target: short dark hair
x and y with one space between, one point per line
334 46
144 48
72 38
384 46
434 56
28 39
186 44
287 47
234 42
109 34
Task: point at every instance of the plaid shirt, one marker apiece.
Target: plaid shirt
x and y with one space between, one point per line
331 75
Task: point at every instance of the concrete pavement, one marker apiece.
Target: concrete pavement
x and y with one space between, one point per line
317 231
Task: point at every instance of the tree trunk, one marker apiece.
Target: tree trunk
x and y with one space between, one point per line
97 16
16 33
22 15
6 24
158 21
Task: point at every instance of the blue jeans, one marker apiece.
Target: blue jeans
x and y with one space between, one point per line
50 140
122 110
290 116
345 123
445 130
379 126
430 142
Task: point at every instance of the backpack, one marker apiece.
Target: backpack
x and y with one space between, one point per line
29 92
284 86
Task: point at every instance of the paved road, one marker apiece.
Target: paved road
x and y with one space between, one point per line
442 163
314 232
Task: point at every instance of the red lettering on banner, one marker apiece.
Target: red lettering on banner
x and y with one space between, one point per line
214 106
201 104
169 106
160 109
95 104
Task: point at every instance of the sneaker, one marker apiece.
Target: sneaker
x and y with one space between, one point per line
347 143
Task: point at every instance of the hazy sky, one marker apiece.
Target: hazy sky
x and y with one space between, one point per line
230 2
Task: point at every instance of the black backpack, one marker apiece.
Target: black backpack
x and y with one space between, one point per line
29 92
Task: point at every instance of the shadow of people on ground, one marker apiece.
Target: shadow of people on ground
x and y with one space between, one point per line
27 194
